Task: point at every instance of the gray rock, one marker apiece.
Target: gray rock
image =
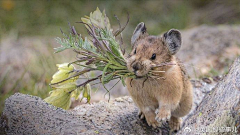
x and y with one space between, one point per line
209 47
219 111
25 114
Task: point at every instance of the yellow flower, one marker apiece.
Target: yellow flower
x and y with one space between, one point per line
76 93
64 72
65 66
98 19
87 92
59 98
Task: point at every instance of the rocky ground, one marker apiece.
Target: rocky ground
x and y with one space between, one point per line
33 115
208 48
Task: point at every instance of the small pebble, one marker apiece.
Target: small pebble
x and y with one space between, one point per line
207 80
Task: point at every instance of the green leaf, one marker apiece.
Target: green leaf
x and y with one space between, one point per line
100 68
59 49
116 67
123 81
115 51
104 71
108 78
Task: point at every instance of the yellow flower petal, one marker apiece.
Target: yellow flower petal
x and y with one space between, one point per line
63 73
65 66
59 98
59 76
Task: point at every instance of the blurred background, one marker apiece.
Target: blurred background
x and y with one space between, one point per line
28 29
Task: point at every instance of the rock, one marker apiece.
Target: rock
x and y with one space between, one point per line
25 114
209 47
219 111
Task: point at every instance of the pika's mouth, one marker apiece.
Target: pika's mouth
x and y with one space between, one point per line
137 76
140 75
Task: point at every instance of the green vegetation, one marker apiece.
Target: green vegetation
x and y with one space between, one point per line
47 17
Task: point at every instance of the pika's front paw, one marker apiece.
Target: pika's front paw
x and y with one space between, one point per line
175 124
151 121
162 115
141 115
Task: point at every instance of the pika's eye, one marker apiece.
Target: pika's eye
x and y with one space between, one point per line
135 51
153 56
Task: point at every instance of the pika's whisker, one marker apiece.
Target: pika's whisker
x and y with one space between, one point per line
154 74
161 78
163 64
157 77
156 71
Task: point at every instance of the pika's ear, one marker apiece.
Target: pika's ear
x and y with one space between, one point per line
173 40
139 32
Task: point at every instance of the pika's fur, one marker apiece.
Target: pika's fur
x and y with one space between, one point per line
169 97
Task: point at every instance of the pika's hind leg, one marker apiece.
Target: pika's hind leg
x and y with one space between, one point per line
175 124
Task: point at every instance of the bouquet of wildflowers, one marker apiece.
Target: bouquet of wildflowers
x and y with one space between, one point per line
101 52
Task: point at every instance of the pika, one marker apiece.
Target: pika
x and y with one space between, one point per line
164 99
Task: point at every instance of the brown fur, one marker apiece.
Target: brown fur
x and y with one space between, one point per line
159 100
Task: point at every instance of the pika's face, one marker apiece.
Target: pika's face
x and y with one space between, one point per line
151 50
147 52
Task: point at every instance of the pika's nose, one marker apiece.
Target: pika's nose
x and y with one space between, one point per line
136 66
